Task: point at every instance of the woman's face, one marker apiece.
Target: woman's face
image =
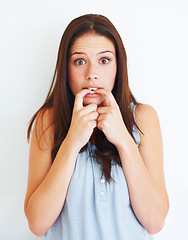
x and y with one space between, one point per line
92 64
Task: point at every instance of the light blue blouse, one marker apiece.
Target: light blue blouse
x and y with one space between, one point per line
95 209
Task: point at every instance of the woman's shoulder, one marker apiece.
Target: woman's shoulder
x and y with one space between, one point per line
144 110
145 116
45 116
44 127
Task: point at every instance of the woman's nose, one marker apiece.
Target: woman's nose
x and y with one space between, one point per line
91 73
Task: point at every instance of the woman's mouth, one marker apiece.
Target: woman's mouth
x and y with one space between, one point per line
92 90
92 93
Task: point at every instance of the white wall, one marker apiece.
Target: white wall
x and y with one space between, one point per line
156 38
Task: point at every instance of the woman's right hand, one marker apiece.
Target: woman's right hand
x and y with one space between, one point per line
83 121
48 183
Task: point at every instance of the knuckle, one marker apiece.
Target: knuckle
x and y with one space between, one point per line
108 92
79 94
94 124
84 119
79 114
110 111
91 124
87 124
102 125
96 114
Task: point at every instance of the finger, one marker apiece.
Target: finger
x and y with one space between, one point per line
102 110
105 103
91 116
93 124
110 100
78 103
92 107
101 117
94 115
101 126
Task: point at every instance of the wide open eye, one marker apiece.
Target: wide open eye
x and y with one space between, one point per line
104 60
79 62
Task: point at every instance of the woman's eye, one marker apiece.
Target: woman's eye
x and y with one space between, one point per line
104 60
79 62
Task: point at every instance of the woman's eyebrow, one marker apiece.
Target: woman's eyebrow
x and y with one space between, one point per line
77 53
106 51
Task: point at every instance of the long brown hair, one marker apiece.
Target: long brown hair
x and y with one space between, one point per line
61 99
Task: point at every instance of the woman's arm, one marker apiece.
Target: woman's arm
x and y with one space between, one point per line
143 167
144 172
48 183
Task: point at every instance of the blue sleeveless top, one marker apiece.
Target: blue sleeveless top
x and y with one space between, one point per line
95 209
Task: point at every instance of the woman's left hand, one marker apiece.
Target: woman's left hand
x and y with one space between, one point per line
110 120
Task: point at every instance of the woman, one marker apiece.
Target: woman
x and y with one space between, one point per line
96 158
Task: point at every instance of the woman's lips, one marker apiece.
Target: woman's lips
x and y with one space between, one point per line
92 93
93 89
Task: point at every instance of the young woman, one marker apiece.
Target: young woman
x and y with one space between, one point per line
96 155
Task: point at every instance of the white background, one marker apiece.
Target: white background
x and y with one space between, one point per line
156 40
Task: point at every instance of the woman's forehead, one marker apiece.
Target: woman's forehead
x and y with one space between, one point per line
94 42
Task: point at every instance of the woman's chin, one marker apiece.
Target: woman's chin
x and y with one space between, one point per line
88 101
